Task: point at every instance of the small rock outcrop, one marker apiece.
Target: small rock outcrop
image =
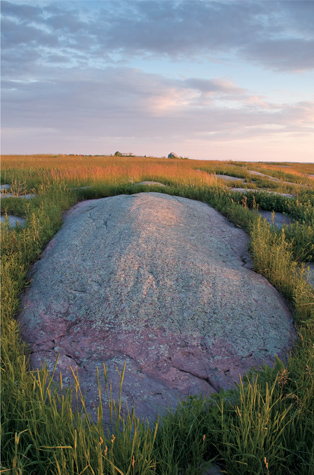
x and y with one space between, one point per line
172 155
160 282
150 183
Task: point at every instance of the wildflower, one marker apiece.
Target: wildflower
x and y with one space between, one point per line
283 378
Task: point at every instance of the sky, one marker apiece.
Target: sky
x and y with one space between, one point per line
211 80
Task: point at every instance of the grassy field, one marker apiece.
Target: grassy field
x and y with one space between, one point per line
264 426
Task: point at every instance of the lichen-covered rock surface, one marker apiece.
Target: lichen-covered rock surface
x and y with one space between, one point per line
160 282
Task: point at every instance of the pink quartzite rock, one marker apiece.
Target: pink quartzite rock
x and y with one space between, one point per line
161 283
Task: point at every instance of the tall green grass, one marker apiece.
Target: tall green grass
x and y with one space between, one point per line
264 426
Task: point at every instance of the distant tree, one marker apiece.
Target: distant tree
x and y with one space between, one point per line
118 154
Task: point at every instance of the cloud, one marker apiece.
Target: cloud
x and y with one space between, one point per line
128 102
283 54
277 35
213 86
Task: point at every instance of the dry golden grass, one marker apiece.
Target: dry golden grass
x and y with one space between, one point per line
300 169
109 169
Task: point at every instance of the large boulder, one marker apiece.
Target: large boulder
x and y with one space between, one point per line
160 282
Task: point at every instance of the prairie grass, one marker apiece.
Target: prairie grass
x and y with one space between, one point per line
264 426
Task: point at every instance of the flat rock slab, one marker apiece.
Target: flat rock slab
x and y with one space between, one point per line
158 282
253 172
11 195
13 220
260 190
274 178
230 178
278 219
